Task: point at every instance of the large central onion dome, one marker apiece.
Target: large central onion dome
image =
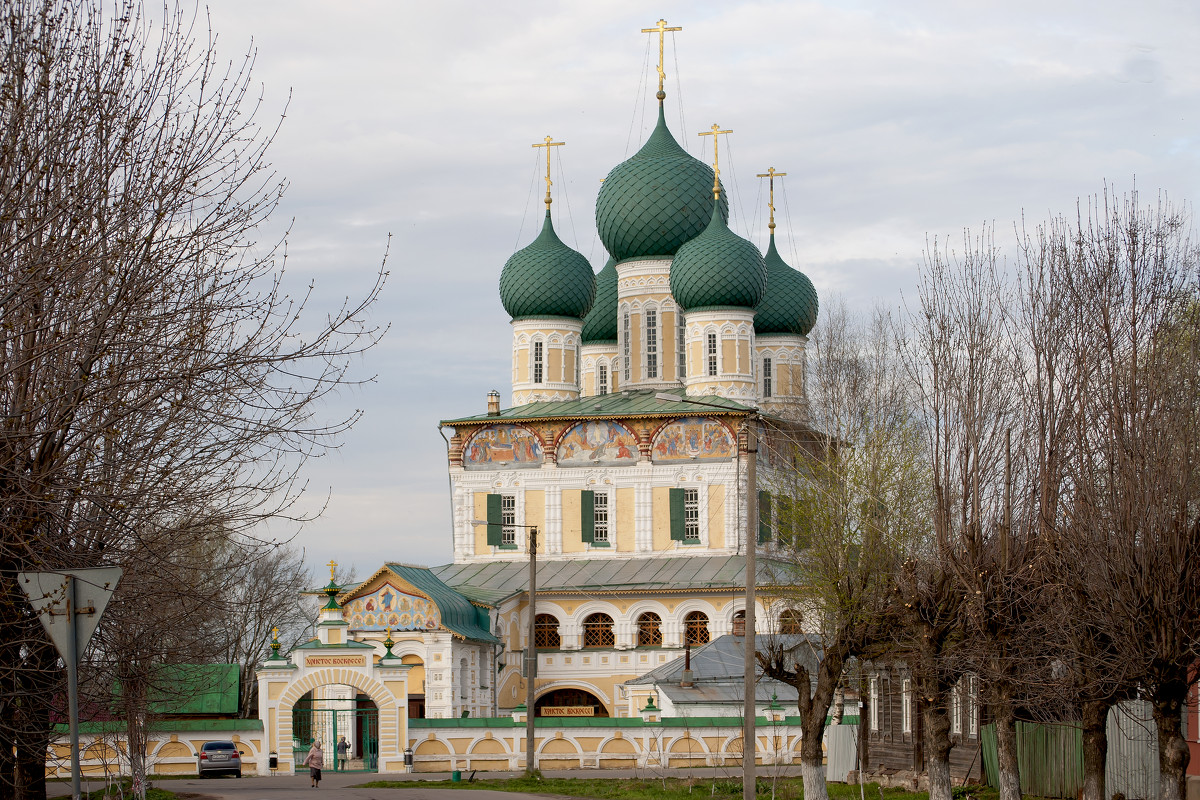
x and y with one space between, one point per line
718 269
655 201
547 279
790 304
600 325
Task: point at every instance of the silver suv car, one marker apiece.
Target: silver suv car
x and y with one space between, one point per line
215 758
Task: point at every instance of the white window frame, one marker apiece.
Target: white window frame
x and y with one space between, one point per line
650 336
906 706
766 376
972 707
602 379
625 330
873 699
691 514
537 364
712 347
602 518
956 710
681 343
508 519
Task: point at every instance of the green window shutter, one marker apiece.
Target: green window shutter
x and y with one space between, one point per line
495 519
676 496
764 517
587 515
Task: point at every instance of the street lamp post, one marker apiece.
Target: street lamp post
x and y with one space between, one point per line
749 734
530 655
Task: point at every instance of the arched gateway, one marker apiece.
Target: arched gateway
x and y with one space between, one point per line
375 736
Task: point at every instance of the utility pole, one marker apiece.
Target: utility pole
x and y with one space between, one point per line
531 654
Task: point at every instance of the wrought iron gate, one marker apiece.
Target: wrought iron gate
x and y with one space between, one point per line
359 725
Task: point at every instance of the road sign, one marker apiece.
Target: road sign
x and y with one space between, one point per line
49 597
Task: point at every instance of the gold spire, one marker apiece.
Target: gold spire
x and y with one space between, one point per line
772 174
548 143
661 29
713 132
332 566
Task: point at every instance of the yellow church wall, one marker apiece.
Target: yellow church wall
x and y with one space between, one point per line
481 545
588 379
521 366
695 357
625 532
661 500
568 375
716 516
554 364
728 357
416 674
572 538
535 514
635 348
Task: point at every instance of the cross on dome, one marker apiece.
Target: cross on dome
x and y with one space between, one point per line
772 174
661 29
548 143
714 131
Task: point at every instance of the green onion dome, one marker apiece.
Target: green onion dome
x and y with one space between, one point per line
655 201
547 279
790 303
718 269
600 325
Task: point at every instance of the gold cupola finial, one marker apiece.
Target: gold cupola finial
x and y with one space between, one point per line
713 132
661 29
772 174
332 566
548 143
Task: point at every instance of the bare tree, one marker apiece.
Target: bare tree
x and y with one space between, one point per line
150 362
846 515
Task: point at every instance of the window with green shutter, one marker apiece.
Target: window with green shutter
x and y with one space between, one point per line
587 515
764 517
678 514
495 519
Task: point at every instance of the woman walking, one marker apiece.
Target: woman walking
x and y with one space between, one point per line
314 761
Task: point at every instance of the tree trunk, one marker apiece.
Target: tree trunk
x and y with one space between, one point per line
1095 748
812 725
812 768
937 748
1173 754
1006 751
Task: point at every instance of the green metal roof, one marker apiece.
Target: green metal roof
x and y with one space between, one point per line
656 200
632 403
458 614
600 325
790 304
191 689
718 269
493 581
547 279
118 725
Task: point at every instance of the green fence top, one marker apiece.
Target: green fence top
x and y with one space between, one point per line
118 726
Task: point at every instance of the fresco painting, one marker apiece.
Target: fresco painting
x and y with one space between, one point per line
389 608
693 438
503 444
601 442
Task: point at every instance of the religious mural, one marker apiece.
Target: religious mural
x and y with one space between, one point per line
509 445
600 442
389 608
693 438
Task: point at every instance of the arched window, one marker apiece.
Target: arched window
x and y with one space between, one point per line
767 377
712 354
536 364
598 631
651 319
649 628
739 623
791 622
681 347
602 379
545 632
695 628
625 341
463 680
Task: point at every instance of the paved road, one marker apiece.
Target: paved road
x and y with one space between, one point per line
336 786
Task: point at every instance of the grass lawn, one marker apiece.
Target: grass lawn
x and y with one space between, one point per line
728 788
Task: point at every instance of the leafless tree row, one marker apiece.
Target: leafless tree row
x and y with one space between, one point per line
158 387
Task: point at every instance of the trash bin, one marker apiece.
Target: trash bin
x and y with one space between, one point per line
456 776
273 761
408 759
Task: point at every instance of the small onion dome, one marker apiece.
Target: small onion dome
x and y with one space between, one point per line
718 269
790 303
600 325
547 279
655 201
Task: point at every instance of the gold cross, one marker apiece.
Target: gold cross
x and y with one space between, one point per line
772 174
661 29
275 633
713 132
549 142
332 566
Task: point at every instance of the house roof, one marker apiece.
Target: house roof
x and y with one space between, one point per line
459 615
629 403
493 581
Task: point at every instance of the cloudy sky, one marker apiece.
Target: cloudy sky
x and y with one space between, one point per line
894 121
